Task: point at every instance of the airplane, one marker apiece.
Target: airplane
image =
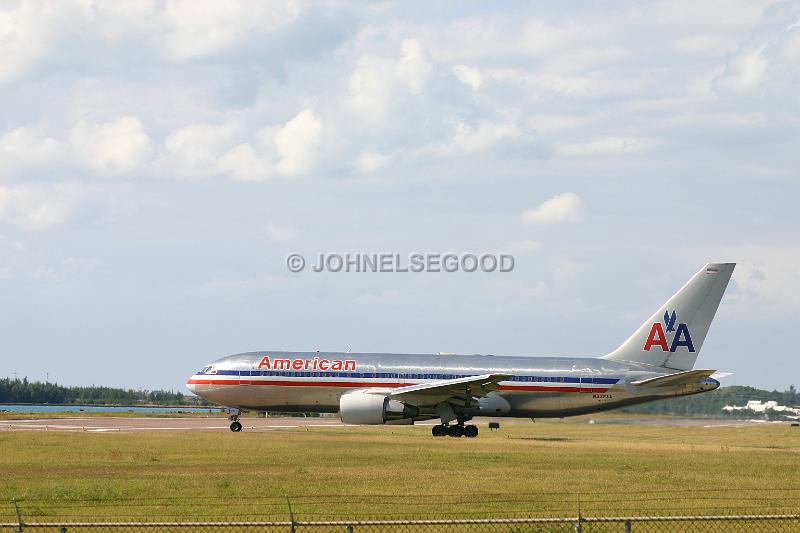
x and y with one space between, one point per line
656 362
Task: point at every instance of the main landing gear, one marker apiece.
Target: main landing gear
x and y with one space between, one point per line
457 430
233 416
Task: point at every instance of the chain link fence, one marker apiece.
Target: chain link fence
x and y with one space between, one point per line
779 513
659 524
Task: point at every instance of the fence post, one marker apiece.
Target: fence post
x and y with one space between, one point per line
349 529
19 516
578 526
627 526
291 514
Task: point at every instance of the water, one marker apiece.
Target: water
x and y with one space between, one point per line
32 408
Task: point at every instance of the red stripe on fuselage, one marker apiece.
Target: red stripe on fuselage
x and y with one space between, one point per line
359 384
293 383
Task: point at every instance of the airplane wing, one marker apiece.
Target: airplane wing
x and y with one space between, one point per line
460 389
689 376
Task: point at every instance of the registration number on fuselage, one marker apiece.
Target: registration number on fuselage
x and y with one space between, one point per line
603 396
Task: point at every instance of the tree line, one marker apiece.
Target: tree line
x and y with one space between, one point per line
711 403
24 391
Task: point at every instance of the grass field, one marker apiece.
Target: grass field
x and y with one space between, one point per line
393 472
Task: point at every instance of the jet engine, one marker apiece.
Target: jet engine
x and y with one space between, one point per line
361 407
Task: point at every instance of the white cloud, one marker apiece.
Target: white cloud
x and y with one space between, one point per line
378 84
413 67
546 85
371 161
539 37
117 147
766 64
297 143
206 150
197 29
549 84
120 146
244 163
609 145
195 150
26 145
280 233
470 76
38 206
67 268
470 139
766 281
26 35
566 207
370 87
744 72
503 135
502 36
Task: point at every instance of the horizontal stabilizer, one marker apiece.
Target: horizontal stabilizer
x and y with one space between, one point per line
679 378
720 375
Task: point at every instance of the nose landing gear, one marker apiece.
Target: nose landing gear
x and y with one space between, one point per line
233 416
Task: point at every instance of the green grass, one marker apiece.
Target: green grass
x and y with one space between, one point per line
392 472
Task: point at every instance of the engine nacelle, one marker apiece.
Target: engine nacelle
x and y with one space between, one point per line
493 405
361 407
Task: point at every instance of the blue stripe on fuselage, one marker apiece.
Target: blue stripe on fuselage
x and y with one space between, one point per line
400 375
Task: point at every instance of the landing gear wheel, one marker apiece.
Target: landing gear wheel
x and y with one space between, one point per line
471 431
438 430
455 431
233 416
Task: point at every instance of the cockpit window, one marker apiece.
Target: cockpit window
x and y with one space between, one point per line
209 370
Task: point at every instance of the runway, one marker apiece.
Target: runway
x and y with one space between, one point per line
98 424
109 424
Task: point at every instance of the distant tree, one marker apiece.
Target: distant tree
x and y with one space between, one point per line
23 391
711 403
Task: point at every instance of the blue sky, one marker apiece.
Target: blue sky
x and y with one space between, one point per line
159 160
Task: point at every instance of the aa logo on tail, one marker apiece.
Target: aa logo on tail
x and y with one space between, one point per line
658 334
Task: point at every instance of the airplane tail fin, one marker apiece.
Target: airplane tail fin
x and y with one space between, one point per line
673 336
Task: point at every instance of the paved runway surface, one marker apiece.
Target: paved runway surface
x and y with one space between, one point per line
106 424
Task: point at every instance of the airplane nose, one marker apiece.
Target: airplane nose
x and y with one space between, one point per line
190 385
